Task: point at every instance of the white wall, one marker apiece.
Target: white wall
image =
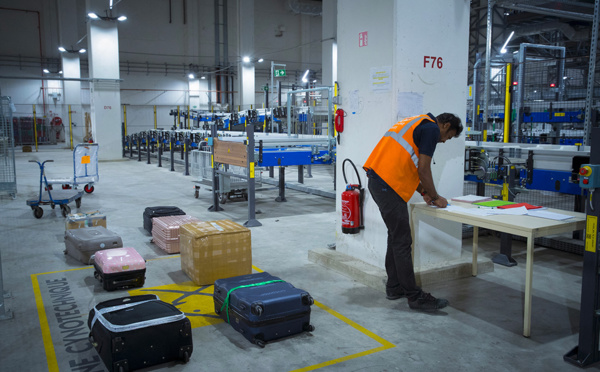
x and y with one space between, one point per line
371 113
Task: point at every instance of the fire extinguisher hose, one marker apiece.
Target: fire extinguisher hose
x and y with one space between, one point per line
360 188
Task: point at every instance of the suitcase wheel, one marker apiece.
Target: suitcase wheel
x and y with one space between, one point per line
308 327
260 343
307 299
186 357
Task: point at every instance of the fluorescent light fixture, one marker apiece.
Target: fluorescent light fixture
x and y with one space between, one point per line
191 76
82 50
515 52
565 77
503 50
246 59
60 72
93 15
203 77
46 71
122 18
260 60
314 81
62 49
305 75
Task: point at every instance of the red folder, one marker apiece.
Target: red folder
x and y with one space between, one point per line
526 205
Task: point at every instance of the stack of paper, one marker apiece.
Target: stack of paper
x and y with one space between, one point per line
471 198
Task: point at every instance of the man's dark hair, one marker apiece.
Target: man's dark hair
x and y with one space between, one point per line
454 121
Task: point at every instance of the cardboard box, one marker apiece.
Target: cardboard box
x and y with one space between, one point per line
214 250
87 219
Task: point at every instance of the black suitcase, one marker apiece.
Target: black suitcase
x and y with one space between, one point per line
139 331
263 307
160 211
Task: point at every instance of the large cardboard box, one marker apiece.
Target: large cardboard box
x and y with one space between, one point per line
215 250
87 219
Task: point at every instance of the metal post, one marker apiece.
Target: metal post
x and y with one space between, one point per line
4 314
159 143
187 154
591 75
215 177
301 174
70 128
252 222
507 103
35 129
139 146
281 197
488 67
172 148
475 95
147 147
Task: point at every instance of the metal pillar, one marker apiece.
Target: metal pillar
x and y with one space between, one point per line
591 75
281 197
586 352
215 176
4 314
148 147
172 148
159 143
252 222
488 67
301 174
187 154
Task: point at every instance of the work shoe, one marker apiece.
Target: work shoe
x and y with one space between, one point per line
426 302
394 294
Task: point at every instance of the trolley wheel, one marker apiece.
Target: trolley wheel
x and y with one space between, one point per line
78 202
38 212
245 196
88 188
65 209
223 199
52 205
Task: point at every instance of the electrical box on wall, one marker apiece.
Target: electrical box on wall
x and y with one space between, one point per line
589 176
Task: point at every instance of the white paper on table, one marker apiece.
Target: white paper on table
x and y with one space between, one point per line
510 211
549 215
471 198
471 211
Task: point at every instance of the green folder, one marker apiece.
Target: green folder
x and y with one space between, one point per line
493 203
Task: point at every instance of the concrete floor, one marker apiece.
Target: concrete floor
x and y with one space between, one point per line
357 328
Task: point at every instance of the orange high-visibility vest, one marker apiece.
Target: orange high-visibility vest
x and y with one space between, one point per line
396 157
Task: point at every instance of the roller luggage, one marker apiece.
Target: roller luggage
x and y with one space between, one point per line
165 231
139 331
160 211
262 307
81 244
119 268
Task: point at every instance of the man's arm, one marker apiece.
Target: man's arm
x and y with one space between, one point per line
427 182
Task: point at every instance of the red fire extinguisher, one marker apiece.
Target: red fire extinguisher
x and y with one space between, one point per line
352 201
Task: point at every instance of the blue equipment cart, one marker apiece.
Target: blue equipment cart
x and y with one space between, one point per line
52 197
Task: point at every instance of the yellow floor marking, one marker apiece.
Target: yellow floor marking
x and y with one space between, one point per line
51 353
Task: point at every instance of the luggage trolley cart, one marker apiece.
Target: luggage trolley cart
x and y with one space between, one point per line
52 198
85 168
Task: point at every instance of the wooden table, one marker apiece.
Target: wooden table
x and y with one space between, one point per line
526 226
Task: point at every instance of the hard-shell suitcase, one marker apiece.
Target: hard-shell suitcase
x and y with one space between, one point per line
139 331
81 244
159 211
263 307
119 268
165 231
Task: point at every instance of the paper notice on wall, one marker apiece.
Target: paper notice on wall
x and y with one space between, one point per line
354 102
409 104
381 79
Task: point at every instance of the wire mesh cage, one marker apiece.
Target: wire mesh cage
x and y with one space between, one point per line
201 168
8 176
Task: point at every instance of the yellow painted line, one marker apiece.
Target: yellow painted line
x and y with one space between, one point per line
51 353
46 336
384 343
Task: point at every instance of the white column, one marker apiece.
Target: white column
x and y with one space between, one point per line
246 48
391 37
105 95
329 45
71 66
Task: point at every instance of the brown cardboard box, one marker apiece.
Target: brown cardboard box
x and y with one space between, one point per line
87 219
214 250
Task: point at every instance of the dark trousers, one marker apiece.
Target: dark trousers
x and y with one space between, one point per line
398 258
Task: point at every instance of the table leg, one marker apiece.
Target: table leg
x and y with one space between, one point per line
528 280
475 249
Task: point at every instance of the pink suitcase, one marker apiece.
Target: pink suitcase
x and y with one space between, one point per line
119 268
165 231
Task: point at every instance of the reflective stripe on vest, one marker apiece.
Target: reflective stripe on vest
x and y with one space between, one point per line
398 137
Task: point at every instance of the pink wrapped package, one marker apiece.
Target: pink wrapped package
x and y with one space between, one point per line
165 231
118 260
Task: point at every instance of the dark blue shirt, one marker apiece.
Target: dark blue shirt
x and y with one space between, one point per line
426 136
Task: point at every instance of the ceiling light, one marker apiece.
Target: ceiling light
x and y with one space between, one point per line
60 72
62 49
203 77
246 59
260 60
93 15
122 18
191 76
46 71
305 75
82 50
503 50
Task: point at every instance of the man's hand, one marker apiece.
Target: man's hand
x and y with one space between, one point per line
440 202
427 199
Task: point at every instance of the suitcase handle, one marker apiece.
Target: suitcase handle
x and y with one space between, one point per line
126 282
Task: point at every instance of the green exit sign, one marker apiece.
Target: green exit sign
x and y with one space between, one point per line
279 73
